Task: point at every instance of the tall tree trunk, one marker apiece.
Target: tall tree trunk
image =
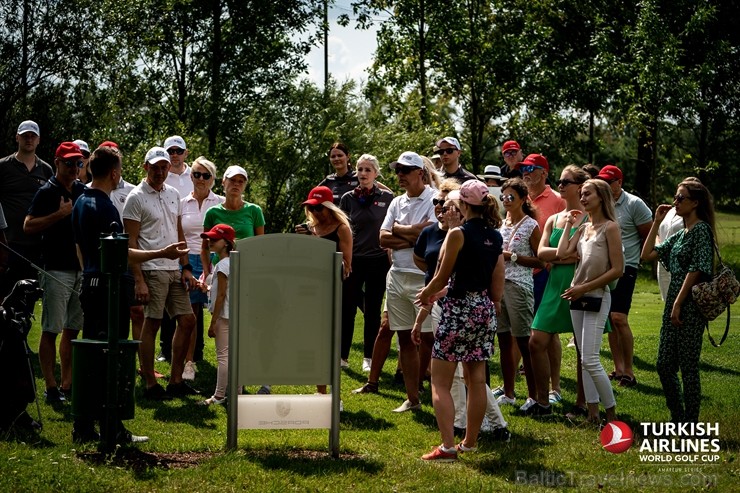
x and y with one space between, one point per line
422 65
647 158
216 90
182 74
591 143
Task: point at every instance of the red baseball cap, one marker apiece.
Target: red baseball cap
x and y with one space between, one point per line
68 150
319 195
109 143
535 160
220 232
510 145
610 173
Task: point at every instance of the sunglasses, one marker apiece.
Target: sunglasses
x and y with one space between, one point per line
315 208
529 168
506 198
438 202
680 198
204 175
565 183
510 153
405 170
171 151
85 154
611 181
448 150
71 164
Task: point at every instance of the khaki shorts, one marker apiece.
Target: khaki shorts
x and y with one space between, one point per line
401 291
166 292
516 310
60 305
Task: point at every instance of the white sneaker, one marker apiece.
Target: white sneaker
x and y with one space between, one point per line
486 426
343 363
498 392
366 364
407 406
189 371
529 403
506 400
571 342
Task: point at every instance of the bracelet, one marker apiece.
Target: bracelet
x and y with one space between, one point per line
185 267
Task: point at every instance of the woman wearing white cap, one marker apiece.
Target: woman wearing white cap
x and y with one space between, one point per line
246 218
471 261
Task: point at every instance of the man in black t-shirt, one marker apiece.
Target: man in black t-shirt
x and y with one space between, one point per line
50 215
450 150
23 173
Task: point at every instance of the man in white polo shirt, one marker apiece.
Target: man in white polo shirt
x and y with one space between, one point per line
152 217
407 215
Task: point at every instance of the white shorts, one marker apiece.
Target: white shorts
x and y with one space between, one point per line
401 290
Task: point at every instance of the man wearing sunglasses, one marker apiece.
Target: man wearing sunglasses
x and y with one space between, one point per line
23 174
449 152
534 169
635 220
179 175
180 179
407 215
512 154
50 215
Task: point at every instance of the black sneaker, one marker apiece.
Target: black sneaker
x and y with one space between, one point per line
500 435
181 390
398 378
85 435
27 423
53 396
459 432
368 388
156 393
538 410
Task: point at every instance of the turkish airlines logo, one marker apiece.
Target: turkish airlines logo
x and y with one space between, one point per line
616 437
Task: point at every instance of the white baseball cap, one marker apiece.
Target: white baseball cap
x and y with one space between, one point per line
28 126
408 158
82 145
450 140
156 154
174 141
232 171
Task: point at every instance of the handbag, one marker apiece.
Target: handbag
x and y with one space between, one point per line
586 304
715 296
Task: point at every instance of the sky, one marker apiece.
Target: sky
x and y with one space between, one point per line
350 50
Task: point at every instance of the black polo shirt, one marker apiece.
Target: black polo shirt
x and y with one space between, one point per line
57 241
340 185
93 215
461 175
366 215
17 189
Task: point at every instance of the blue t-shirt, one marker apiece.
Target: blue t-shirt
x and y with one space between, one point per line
93 215
57 241
428 245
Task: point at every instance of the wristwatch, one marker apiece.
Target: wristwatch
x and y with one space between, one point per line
514 257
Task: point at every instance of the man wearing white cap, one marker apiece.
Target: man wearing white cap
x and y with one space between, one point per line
179 175
492 176
407 215
85 175
23 173
152 216
450 150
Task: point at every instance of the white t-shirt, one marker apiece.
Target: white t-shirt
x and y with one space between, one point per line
157 214
671 224
407 210
182 182
192 218
520 245
118 195
223 267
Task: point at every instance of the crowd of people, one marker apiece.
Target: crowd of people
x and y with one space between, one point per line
452 264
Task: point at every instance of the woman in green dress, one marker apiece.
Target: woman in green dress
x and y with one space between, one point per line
553 315
688 255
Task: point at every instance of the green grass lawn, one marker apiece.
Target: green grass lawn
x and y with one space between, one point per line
380 450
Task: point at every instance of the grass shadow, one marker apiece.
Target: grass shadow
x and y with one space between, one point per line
145 464
312 462
362 420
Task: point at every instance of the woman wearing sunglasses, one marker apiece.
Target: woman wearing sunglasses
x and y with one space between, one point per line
327 221
194 206
688 255
521 235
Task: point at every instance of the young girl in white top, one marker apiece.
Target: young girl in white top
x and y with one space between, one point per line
599 246
221 242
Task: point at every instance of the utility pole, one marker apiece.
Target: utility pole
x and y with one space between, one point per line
326 47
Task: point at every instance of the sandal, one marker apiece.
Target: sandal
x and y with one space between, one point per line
212 400
613 376
627 381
